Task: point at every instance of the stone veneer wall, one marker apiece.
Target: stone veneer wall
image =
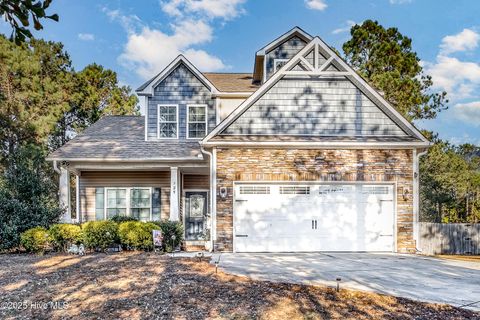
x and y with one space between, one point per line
315 165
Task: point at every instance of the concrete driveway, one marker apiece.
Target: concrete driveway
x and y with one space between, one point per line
415 277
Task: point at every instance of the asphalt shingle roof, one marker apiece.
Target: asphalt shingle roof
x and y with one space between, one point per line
232 82
123 138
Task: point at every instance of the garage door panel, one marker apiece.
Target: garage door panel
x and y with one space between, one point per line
317 217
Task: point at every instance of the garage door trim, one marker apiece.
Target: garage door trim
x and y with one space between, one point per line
306 183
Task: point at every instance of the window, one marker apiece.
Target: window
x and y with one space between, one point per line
168 121
116 202
143 203
196 121
294 190
254 190
278 63
140 203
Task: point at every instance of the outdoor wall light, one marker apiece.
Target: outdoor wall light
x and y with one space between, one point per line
223 192
405 194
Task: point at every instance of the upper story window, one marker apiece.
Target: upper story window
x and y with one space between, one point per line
196 121
278 63
168 121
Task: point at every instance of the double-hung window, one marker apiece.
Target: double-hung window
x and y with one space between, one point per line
140 203
196 121
116 202
168 121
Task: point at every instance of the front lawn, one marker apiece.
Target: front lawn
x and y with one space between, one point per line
146 285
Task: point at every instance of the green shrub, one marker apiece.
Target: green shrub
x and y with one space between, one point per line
35 240
170 229
64 234
136 234
120 219
28 194
99 235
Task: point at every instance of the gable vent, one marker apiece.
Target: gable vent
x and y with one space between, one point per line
254 190
294 190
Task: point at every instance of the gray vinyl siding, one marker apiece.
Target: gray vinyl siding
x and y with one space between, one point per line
181 87
314 107
285 50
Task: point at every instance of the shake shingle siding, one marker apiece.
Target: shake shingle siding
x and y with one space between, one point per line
181 88
286 50
314 107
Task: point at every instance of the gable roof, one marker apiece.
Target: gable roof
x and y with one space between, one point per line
294 31
108 140
258 68
148 87
307 64
232 82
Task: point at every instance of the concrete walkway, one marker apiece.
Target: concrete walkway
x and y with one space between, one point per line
415 277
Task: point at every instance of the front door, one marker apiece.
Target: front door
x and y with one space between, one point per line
195 214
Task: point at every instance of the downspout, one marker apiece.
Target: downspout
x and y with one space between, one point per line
416 196
212 197
55 167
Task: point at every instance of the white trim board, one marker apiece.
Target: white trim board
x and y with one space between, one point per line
318 45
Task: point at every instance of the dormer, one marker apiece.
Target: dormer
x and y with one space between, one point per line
178 103
275 54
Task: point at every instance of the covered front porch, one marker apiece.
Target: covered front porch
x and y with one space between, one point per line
177 191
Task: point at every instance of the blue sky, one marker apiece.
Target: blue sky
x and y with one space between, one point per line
138 38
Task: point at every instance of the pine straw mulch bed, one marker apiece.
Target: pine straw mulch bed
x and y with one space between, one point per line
151 286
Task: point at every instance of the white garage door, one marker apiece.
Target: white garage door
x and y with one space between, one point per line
313 217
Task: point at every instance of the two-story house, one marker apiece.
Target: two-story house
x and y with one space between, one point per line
300 155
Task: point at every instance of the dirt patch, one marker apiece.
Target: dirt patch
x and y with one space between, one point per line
150 286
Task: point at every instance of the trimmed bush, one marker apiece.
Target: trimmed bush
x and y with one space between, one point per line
64 234
170 229
136 234
120 219
35 240
99 235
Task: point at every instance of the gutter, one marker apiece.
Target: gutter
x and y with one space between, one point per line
125 160
212 197
231 94
315 145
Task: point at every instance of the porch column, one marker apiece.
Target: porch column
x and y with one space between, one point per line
64 195
174 194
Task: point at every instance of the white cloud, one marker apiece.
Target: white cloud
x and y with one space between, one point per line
348 25
86 36
458 78
224 9
468 112
148 50
319 5
463 41
400 1
130 23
